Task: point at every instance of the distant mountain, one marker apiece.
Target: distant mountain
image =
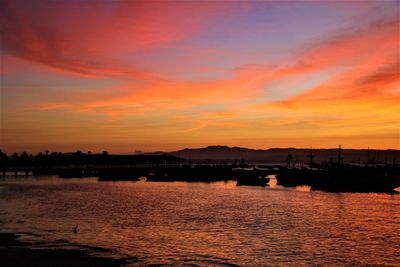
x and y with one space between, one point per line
280 154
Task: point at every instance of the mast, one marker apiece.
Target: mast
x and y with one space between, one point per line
340 155
311 156
289 160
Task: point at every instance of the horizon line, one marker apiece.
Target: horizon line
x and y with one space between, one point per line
141 151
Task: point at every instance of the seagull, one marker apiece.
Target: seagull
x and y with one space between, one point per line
75 229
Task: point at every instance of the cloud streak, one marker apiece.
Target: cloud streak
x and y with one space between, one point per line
168 65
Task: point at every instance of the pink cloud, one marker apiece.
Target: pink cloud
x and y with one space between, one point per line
95 38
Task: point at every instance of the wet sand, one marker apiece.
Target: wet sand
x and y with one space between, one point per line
15 253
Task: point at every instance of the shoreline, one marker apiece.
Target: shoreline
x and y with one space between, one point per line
14 252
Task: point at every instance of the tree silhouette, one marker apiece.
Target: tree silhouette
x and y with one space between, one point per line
2 154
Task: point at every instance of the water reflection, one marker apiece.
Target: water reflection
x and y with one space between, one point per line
304 188
206 224
272 181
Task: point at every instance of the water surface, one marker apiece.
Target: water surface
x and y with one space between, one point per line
205 224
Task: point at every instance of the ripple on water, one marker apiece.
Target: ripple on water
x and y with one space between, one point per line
206 224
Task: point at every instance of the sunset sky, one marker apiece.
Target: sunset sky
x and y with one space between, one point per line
164 75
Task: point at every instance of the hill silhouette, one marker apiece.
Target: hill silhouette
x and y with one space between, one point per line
280 154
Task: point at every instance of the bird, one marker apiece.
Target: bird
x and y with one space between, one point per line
75 229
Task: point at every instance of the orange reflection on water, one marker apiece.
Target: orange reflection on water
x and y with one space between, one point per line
203 224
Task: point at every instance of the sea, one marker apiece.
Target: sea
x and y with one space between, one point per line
204 224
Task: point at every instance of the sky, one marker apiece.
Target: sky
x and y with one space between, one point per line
161 75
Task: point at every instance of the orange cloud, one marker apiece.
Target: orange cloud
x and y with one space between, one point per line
363 69
359 97
157 26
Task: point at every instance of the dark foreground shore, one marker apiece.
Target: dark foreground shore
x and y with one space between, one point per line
15 253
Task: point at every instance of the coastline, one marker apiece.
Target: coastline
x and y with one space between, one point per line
14 252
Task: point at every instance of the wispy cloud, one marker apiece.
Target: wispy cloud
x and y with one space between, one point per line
165 60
